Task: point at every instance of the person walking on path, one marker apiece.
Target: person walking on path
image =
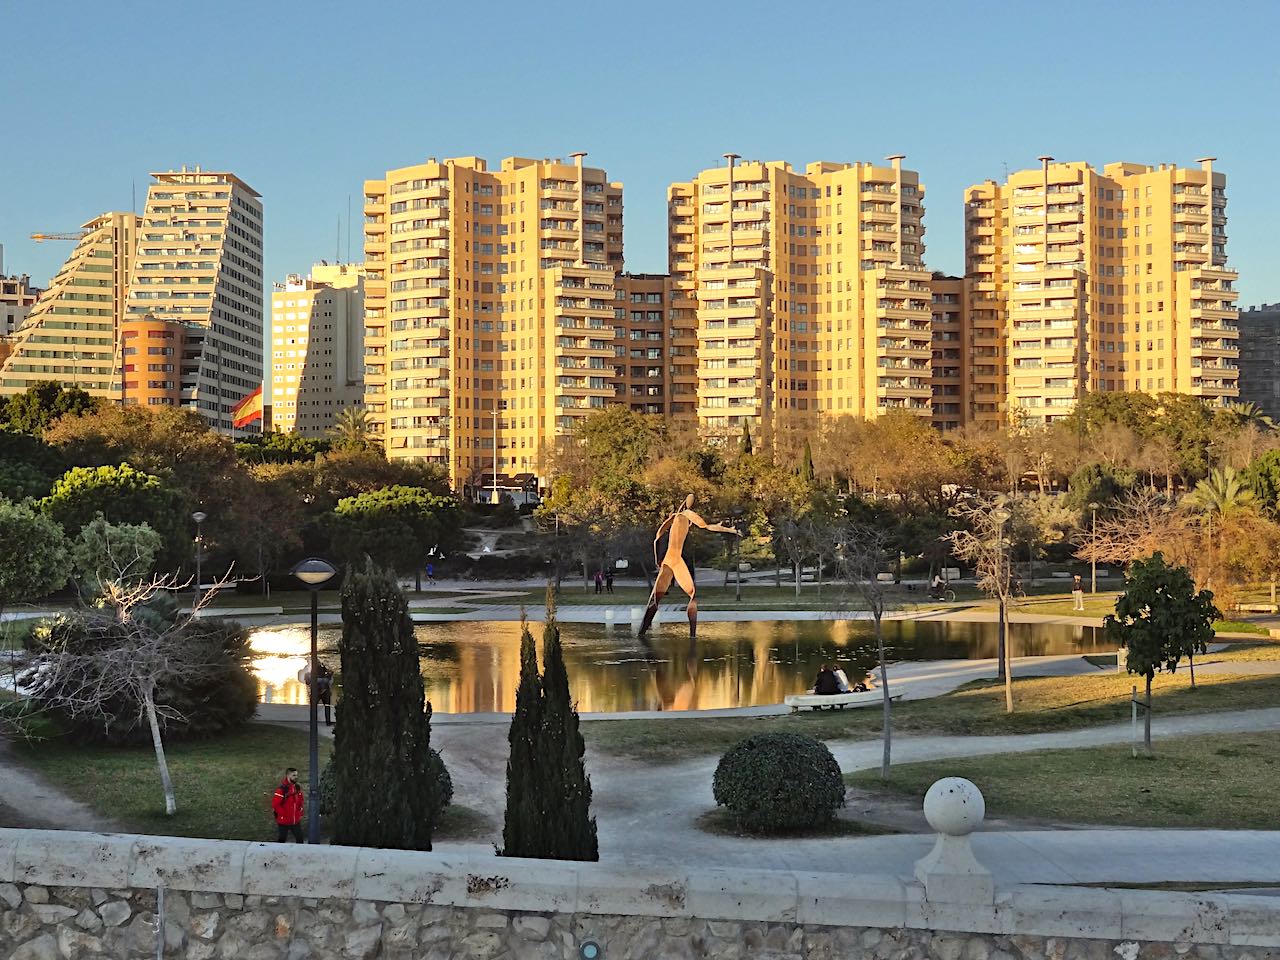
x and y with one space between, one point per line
599 581
431 574
608 581
324 691
1077 593
673 566
288 804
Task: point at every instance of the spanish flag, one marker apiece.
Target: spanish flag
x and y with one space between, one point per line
248 409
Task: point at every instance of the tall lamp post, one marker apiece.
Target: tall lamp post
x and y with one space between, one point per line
1001 517
314 573
737 566
1093 561
199 517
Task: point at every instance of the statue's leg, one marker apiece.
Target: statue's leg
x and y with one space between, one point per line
685 579
660 585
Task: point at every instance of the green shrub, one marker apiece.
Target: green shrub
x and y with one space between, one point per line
223 698
444 785
776 782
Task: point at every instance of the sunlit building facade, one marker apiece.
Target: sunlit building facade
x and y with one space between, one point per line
801 292
317 348
490 300
199 262
71 334
1085 280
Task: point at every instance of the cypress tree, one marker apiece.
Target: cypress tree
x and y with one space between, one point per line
522 832
744 447
570 826
806 466
385 790
548 792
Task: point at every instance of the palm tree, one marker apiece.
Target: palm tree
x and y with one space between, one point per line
1222 494
1249 414
352 429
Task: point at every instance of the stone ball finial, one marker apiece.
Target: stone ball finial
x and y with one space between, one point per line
954 806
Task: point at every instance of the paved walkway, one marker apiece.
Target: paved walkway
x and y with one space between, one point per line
647 814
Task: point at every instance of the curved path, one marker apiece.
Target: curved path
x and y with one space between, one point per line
647 815
36 803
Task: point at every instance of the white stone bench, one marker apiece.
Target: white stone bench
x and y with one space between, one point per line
823 701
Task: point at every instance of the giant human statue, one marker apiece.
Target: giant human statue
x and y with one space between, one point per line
673 566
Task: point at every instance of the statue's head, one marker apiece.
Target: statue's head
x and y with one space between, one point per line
688 502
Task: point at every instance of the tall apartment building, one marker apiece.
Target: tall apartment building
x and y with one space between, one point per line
71 334
802 292
1084 280
199 263
489 309
1260 358
317 348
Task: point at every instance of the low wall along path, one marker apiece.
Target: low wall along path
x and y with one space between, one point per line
86 895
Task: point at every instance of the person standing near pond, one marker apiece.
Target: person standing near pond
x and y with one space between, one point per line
1077 593
288 803
324 691
673 567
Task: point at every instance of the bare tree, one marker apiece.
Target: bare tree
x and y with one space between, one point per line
1145 521
864 553
984 542
125 656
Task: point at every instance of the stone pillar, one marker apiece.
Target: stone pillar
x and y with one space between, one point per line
950 873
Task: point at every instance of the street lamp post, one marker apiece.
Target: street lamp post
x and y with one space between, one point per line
495 453
314 574
737 561
199 517
1093 559
1001 516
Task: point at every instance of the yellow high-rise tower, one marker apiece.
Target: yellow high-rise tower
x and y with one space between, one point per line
805 293
489 310
1081 280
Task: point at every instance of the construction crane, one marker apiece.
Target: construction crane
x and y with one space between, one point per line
42 237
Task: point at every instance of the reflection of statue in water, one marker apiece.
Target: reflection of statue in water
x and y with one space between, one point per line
673 566
675 692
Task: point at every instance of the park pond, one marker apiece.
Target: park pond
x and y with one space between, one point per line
473 666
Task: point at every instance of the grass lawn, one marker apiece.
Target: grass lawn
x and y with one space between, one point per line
1225 781
1040 704
223 786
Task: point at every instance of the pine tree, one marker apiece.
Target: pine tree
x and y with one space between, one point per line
744 447
522 833
570 826
806 465
385 790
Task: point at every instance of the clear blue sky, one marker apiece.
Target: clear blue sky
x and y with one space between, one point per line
306 100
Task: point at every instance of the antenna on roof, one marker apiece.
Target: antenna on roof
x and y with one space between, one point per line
348 228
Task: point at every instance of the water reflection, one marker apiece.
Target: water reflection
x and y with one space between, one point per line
471 667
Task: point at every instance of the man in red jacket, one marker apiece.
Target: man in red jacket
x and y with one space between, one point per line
288 803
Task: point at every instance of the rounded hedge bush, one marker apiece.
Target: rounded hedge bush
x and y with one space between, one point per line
444 786
775 782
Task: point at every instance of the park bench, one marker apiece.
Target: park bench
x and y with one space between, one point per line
834 701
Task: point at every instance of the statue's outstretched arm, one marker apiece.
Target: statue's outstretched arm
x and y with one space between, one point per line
697 521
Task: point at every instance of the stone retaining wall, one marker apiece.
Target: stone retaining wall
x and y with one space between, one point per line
78 895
